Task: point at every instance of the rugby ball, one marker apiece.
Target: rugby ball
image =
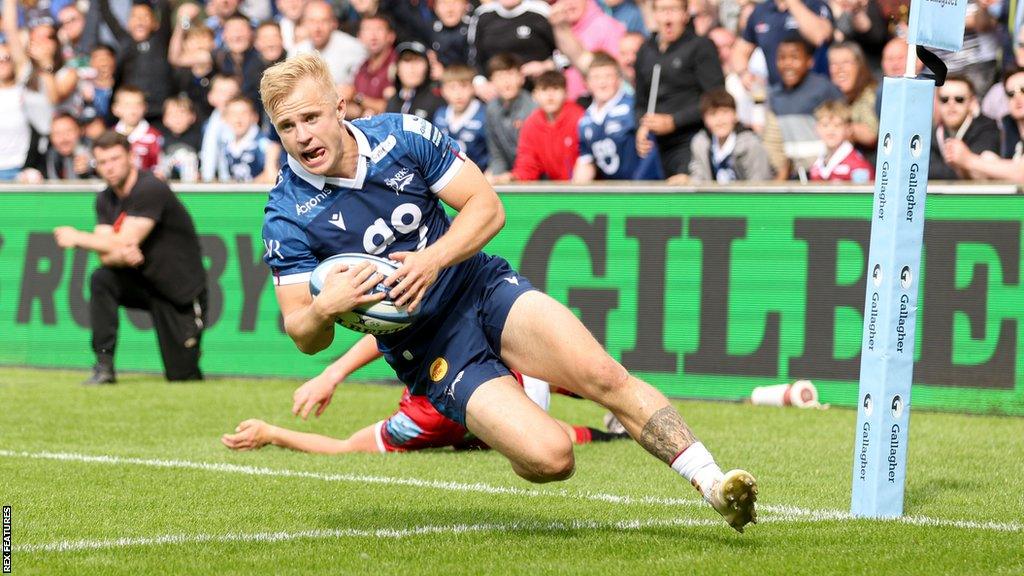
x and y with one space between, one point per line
381 317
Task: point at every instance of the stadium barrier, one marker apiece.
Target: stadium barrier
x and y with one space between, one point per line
704 292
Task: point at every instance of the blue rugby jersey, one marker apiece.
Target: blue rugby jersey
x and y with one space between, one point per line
468 129
389 206
608 139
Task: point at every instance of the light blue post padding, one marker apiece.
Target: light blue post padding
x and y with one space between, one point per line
938 23
890 309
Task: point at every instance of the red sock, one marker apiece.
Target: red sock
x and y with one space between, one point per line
582 434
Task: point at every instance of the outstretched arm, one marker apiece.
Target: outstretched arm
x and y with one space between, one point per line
255 434
318 391
120 248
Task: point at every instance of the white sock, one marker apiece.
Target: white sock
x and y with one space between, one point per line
698 466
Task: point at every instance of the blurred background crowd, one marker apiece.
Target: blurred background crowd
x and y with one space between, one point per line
575 90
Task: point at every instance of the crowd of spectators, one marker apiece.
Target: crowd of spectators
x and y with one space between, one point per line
575 90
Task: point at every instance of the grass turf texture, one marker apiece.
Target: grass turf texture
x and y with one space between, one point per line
961 468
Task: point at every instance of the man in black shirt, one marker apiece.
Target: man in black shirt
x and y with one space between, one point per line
151 260
689 68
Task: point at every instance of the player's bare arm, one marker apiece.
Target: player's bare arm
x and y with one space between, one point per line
255 434
310 323
318 391
481 215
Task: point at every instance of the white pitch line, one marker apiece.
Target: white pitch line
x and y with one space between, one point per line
779 512
377 533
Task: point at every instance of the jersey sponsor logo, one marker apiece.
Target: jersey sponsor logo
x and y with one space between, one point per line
337 221
383 148
438 369
386 234
400 180
512 280
313 202
273 249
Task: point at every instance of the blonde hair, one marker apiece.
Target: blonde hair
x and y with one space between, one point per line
834 109
280 80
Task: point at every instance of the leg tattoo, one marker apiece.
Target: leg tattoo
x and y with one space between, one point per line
665 434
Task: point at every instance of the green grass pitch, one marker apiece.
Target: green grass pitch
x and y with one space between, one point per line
131 479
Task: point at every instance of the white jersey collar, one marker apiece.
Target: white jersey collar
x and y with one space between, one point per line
318 181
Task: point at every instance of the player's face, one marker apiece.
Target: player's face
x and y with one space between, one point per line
793 63
671 18
113 164
550 100
1015 85
955 103
832 131
449 12
603 83
310 128
457 94
720 122
508 83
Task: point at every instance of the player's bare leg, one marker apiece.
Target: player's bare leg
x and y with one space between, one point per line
543 338
500 414
255 434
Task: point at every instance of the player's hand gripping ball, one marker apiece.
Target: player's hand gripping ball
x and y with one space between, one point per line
381 317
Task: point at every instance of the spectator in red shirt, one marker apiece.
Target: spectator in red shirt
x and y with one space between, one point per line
369 94
841 161
130 110
549 141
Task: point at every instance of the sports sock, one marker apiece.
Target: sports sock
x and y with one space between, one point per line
698 466
583 434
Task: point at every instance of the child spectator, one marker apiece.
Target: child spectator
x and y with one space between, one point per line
841 161
463 117
415 92
725 151
130 111
216 133
607 131
183 138
96 83
505 115
144 47
449 40
789 136
243 157
549 142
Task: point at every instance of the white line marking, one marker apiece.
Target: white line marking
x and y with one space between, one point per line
78 545
778 512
